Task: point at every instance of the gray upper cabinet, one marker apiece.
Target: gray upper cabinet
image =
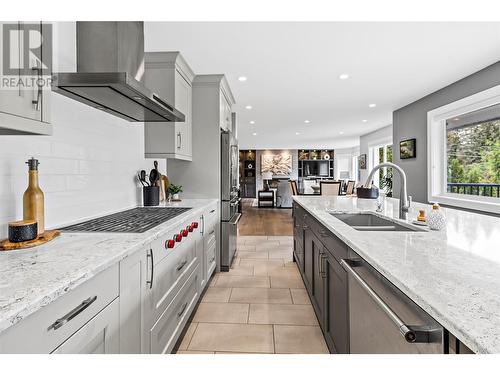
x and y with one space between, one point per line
169 76
24 106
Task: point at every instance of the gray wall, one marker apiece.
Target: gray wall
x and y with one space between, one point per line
411 122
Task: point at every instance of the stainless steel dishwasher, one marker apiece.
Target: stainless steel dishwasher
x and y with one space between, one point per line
384 320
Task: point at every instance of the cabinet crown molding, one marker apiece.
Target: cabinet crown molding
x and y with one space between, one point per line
215 80
170 59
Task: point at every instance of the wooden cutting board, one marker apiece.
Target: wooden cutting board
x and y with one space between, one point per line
45 237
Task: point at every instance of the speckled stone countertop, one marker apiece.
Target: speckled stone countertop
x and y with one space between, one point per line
32 278
454 274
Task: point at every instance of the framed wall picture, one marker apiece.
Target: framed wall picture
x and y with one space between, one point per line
362 161
408 149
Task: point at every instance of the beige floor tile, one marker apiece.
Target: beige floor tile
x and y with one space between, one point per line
286 255
300 297
193 352
252 254
228 281
221 313
245 247
276 271
233 338
299 340
188 336
280 238
270 245
292 282
262 242
239 270
282 314
260 295
291 263
214 294
213 280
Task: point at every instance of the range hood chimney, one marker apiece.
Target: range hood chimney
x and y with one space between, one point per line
110 73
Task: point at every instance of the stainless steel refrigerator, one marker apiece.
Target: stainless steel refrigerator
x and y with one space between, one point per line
230 197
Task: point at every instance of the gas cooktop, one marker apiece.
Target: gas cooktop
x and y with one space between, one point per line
135 220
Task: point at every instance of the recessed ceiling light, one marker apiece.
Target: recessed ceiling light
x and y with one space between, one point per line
365 120
344 76
242 79
373 105
254 133
307 121
248 107
341 132
297 133
252 122
456 119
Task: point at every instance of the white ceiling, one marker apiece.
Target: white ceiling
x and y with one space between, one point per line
293 71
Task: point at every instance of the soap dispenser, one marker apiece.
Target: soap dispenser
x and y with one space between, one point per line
33 199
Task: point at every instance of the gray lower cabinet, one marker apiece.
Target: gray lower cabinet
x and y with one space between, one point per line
336 323
318 282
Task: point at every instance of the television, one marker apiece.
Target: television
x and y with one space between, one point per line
315 168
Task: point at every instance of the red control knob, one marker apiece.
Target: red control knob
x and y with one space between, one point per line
178 237
195 224
169 244
190 228
184 233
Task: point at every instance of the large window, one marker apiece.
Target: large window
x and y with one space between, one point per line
464 152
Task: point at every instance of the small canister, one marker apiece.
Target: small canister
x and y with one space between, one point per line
21 231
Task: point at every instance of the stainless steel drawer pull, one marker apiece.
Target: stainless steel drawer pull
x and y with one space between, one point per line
72 314
411 334
235 221
150 282
179 314
181 265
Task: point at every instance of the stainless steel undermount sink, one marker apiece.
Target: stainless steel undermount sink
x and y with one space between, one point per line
371 222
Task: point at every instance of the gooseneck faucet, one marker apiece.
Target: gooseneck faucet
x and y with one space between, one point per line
404 198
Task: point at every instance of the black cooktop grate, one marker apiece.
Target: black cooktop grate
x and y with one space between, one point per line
135 220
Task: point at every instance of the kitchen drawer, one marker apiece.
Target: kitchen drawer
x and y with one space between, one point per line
332 243
41 333
99 336
169 275
169 326
210 260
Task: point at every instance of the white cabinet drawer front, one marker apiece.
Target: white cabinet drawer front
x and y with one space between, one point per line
169 276
210 259
99 336
171 323
46 329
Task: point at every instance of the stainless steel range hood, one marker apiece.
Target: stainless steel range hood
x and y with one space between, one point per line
110 73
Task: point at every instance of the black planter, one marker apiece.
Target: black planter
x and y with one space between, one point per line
371 193
151 195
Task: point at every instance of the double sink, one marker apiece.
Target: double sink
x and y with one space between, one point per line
366 221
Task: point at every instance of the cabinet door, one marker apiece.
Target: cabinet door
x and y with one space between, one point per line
317 289
298 242
225 112
183 91
99 336
19 102
336 329
133 288
308 259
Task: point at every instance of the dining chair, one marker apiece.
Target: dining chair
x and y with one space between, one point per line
293 185
329 187
350 187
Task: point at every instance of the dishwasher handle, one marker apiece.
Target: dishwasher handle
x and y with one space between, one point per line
412 334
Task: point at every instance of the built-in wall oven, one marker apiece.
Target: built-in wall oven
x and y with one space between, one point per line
230 197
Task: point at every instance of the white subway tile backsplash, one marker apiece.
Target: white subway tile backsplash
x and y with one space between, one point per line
88 167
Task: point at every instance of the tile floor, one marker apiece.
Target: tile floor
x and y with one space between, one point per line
259 306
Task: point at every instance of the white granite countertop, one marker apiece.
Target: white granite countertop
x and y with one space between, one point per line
454 274
32 278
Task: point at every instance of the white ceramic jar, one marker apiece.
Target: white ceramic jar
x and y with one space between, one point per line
436 218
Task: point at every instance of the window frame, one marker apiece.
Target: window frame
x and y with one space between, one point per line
437 176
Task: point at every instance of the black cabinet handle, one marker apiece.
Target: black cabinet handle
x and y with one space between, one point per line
181 265
72 314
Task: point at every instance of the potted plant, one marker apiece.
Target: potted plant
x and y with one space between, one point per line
174 191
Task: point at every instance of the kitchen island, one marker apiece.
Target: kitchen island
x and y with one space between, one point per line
34 280
453 275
